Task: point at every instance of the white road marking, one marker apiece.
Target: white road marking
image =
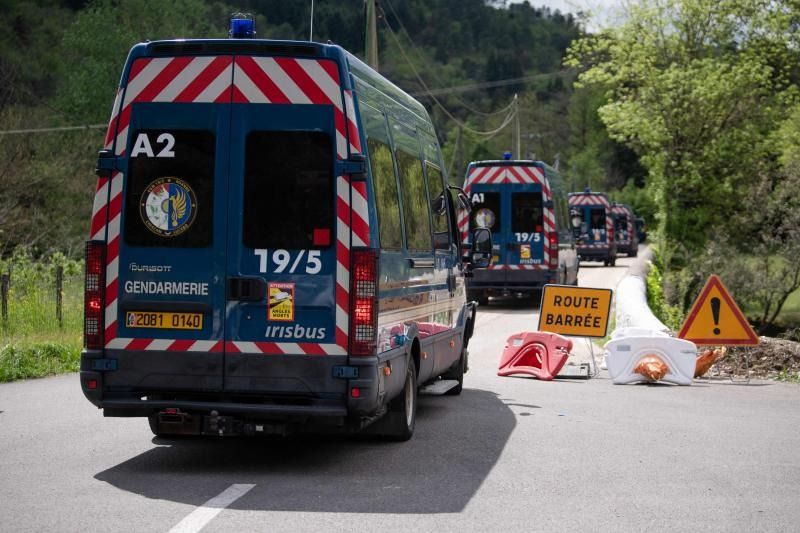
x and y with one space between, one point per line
200 517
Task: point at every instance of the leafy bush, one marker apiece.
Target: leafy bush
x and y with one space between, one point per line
38 359
670 315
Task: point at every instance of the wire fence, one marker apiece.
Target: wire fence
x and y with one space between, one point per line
41 306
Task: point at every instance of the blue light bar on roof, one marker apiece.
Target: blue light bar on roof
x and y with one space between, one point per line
242 27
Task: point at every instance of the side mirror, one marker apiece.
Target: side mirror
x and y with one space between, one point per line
481 253
548 204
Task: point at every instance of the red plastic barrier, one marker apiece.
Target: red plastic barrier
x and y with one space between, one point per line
538 354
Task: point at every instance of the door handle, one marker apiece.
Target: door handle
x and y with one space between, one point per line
246 289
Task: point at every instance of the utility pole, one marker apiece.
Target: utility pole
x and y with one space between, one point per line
517 147
371 40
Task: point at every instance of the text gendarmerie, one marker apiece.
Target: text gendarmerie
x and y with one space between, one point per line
178 288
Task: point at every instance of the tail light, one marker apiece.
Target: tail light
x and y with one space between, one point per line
94 288
363 301
552 242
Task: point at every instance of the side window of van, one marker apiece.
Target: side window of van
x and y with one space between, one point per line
169 201
416 215
288 189
441 231
383 178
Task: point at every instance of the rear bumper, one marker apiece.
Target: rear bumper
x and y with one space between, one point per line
595 253
296 389
500 280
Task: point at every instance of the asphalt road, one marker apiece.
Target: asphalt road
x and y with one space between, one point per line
509 454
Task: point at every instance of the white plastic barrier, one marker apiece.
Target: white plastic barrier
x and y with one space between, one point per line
624 352
632 308
637 332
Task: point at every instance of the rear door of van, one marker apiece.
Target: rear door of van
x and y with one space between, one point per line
526 221
166 234
288 218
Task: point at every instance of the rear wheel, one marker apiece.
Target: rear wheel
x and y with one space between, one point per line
153 421
402 416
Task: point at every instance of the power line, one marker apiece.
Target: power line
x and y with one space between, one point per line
486 84
49 130
419 54
489 134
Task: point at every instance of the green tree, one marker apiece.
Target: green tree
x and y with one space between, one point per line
694 87
95 46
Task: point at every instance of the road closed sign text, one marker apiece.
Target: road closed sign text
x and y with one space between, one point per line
577 311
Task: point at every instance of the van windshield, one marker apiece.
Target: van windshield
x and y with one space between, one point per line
288 190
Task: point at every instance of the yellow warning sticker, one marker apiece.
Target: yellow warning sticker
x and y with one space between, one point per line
524 251
715 319
281 302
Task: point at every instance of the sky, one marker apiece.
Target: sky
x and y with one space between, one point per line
602 10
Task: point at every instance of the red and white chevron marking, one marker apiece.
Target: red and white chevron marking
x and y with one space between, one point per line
512 174
223 79
279 348
588 199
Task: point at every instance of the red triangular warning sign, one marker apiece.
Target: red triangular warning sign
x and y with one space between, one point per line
715 319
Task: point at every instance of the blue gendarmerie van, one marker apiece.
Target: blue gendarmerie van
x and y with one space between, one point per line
593 224
273 245
524 205
625 225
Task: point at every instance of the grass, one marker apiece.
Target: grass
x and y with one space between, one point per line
32 343
790 314
38 359
788 376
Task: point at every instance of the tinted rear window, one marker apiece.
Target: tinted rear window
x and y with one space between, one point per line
597 218
485 211
169 190
288 190
526 212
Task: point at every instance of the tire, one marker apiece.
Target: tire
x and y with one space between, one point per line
153 421
457 373
402 415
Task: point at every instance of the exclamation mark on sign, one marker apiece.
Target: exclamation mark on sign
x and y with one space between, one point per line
715 311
